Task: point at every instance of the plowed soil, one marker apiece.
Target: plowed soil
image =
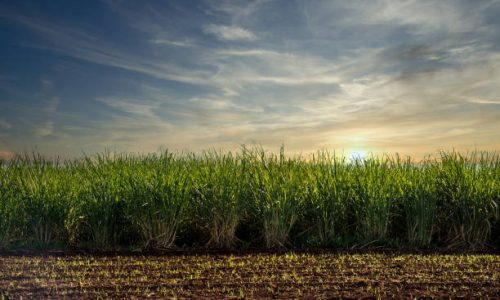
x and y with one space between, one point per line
264 275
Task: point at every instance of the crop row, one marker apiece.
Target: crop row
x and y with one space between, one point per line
252 276
250 199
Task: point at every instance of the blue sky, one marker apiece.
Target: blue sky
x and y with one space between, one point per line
138 76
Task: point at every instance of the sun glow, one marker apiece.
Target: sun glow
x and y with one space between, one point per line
357 147
357 154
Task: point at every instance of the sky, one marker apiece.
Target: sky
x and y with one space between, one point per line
413 77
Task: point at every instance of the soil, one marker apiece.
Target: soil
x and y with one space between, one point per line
303 275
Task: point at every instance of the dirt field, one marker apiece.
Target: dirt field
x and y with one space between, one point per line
288 275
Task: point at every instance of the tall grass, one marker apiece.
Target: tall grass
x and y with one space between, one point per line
10 212
110 201
468 189
331 192
375 195
278 193
34 196
101 202
418 196
219 199
158 197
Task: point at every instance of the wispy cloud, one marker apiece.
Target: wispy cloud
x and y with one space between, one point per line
382 75
44 129
76 43
250 52
232 33
136 107
4 125
186 44
484 101
238 11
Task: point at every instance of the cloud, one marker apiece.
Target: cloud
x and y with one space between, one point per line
79 44
4 125
140 108
231 33
238 11
44 129
484 101
407 76
249 52
262 65
51 104
185 44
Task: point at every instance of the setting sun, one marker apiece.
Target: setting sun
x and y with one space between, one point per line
357 154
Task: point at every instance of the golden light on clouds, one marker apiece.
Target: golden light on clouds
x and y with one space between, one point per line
359 78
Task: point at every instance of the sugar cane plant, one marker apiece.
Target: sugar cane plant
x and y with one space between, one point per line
108 201
157 198
219 195
330 194
279 193
467 189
